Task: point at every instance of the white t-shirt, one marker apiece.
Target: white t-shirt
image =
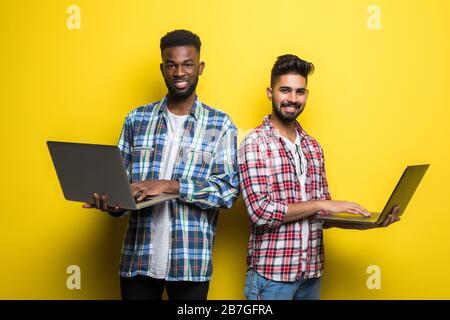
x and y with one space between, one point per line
300 167
160 228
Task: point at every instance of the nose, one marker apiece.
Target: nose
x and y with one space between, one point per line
292 97
179 72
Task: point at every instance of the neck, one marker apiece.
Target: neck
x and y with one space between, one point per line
181 106
286 129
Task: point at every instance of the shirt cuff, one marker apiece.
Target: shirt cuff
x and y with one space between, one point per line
187 188
279 212
273 214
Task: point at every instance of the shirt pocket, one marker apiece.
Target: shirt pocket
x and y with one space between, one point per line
200 156
142 149
142 155
198 159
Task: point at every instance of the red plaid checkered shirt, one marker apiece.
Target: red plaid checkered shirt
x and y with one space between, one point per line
269 182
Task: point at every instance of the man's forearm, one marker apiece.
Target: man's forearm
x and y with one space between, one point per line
305 209
301 210
173 186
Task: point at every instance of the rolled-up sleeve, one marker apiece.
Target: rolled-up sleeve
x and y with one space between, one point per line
221 188
255 181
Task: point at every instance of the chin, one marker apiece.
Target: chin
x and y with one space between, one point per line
180 95
289 117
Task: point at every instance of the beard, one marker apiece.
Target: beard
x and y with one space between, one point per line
177 94
287 117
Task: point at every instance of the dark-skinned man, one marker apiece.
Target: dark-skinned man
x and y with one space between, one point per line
177 145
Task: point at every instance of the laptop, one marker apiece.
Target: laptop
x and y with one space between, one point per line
402 194
84 169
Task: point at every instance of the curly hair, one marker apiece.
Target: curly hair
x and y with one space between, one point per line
178 38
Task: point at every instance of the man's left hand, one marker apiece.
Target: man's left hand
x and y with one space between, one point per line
392 217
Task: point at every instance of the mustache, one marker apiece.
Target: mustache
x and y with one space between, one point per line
291 104
183 79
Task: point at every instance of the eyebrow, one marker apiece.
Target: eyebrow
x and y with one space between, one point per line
289 88
171 61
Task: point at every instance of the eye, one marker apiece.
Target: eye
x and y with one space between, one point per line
188 65
284 90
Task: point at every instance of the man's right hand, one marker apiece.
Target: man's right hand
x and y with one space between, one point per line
304 209
330 207
101 203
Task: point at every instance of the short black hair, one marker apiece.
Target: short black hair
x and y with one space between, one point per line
179 38
290 64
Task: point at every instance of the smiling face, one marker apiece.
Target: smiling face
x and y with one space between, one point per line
181 68
288 95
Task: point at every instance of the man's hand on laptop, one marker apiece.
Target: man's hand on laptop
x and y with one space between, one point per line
331 206
390 219
148 188
101 203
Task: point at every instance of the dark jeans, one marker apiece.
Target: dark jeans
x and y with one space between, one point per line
148 288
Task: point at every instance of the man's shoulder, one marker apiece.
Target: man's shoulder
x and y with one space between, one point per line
144 109
217 114
311 141
263 135
259 136
213 111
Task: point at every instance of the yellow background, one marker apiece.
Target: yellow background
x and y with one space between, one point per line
378 101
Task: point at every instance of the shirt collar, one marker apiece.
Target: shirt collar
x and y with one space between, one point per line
195 109
267 124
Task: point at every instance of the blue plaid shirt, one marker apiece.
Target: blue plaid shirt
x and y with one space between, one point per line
206 168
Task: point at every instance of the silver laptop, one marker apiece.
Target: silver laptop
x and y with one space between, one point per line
402 194
85 169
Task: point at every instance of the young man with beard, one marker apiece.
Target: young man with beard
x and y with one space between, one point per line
177 145
284 186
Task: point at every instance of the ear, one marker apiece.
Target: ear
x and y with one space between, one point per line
269 93
201 66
